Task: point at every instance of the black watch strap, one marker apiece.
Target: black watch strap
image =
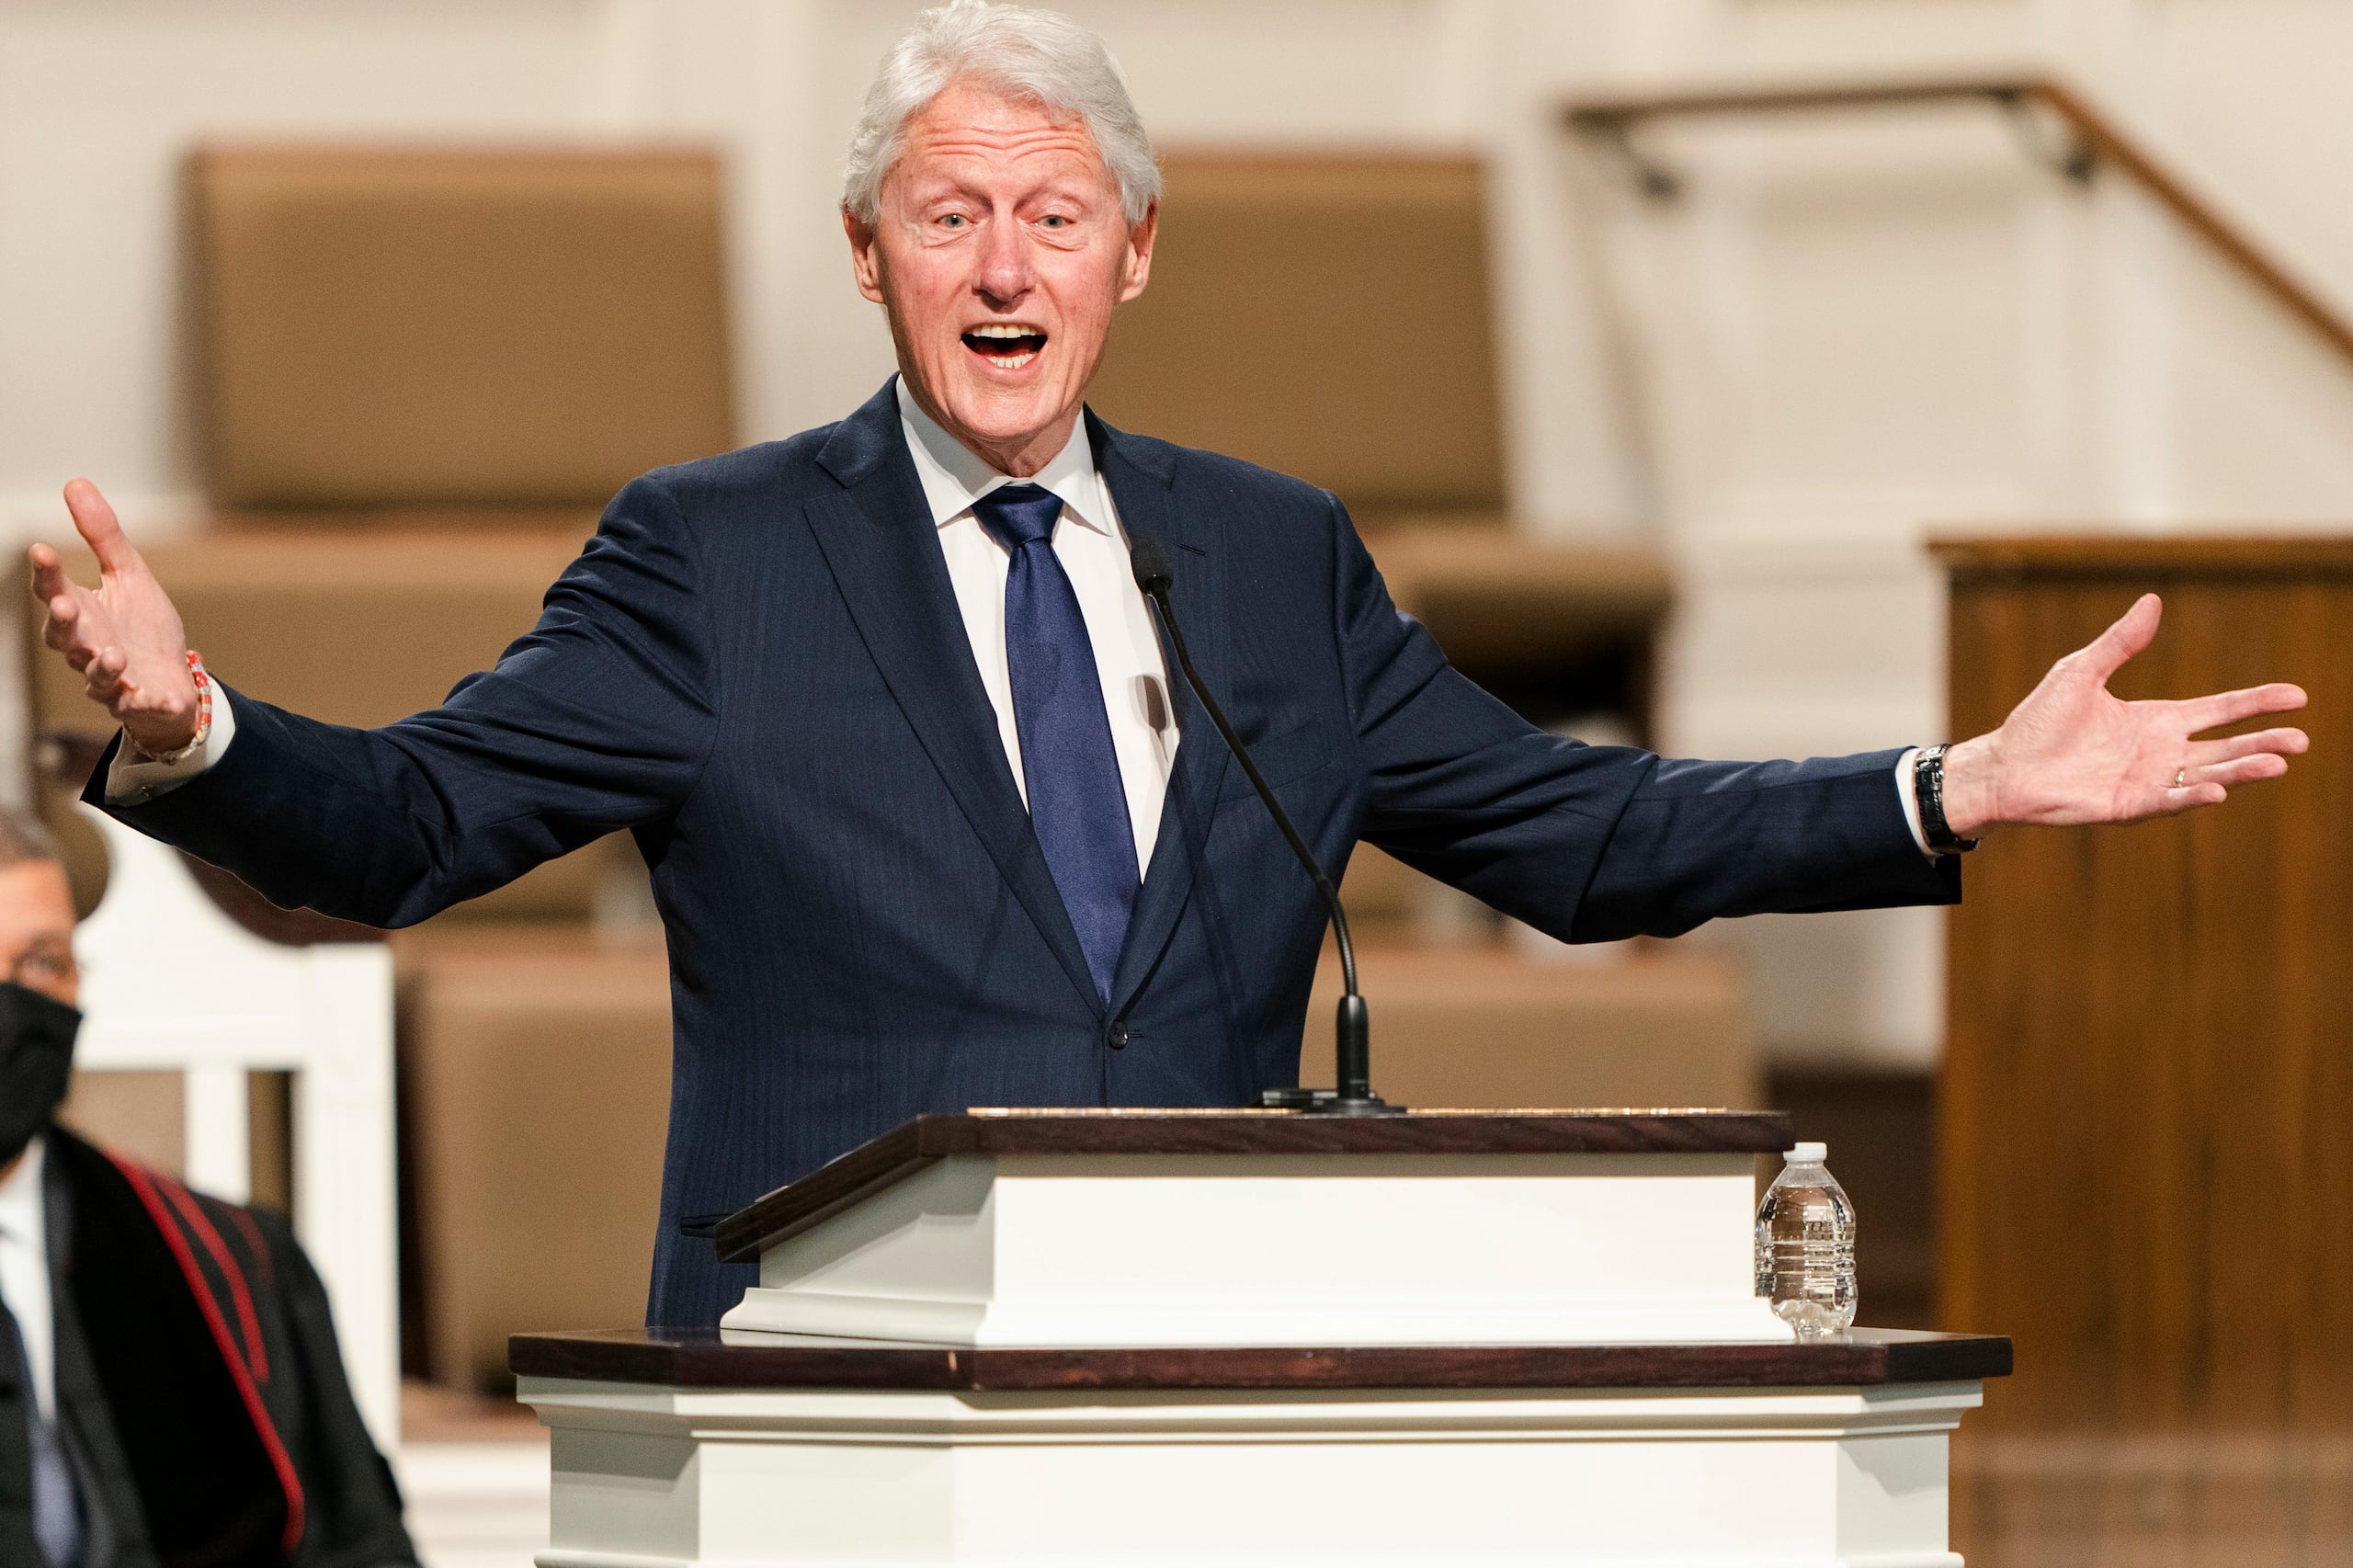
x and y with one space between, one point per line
1929 790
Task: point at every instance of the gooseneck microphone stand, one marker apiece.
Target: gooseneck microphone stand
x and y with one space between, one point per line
1352 1028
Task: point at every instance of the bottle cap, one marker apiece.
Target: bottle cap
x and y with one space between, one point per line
1808 1153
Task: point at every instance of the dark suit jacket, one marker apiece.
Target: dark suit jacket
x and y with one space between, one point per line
758 667
200 1395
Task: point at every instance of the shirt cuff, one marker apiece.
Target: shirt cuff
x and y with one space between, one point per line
134 779
1907 789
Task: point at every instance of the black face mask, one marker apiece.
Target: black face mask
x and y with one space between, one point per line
36 1056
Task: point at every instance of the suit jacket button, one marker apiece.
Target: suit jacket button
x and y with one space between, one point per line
1116 1037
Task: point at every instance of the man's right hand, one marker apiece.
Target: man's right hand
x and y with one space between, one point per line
123 637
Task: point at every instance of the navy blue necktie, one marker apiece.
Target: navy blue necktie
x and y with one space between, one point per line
57 1513
1077 805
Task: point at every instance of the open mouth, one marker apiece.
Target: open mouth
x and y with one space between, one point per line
1007 344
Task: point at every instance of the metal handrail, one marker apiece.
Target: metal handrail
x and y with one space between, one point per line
2098 142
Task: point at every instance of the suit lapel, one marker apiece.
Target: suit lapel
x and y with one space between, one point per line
878 540
1141 476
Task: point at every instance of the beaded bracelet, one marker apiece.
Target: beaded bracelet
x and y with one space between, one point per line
204 715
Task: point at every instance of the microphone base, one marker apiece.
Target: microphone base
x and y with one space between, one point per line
1327 1102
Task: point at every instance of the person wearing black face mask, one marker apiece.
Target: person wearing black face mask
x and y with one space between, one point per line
170 1389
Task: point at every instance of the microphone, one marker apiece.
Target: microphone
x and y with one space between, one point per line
1352 1028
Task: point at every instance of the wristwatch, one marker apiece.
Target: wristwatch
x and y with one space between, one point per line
1928 790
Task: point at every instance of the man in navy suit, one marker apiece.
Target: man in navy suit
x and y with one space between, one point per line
929 824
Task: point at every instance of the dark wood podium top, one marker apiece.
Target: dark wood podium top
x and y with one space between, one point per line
696 1357
2141 556
742 1235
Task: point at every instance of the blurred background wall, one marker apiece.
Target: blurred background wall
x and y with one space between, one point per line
1848 332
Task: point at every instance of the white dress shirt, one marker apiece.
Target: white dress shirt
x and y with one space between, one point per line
1093 550
23 1274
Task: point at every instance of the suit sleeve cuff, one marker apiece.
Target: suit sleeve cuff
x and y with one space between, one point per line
134 779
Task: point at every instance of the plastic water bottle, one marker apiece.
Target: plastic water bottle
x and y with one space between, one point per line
1805 1246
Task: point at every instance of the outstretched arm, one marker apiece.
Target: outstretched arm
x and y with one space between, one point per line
1592 844
599 719
2071 753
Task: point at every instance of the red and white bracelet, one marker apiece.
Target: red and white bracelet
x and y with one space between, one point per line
203 714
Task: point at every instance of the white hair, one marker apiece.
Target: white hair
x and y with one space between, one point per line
1021 52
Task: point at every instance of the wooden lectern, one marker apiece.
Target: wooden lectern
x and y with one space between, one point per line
1179 1338
2147 1165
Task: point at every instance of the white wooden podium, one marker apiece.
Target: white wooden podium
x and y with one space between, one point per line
1256 1337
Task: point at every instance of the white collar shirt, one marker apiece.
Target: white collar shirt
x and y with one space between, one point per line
1092 551
23 1274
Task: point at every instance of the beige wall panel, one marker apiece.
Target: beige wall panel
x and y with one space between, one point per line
1326 316
538 1093
420 327
1491 1027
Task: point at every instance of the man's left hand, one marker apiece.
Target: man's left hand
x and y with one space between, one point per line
2071 753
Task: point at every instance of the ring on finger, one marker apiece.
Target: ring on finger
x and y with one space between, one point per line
2180 776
